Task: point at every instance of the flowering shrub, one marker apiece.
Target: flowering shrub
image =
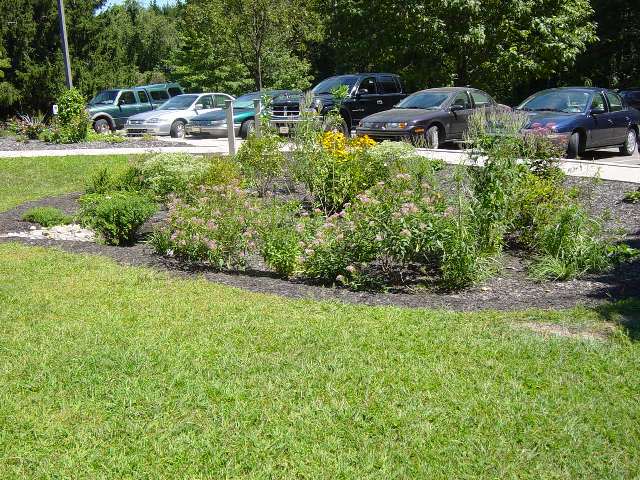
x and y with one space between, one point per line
72 122
341 170
387 227
217 226
166 173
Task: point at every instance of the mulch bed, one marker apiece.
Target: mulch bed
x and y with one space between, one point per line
509 290
10 144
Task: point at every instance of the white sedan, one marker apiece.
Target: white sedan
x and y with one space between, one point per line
172 116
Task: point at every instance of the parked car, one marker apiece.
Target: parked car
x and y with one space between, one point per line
110 109
215 123
631 96
367 93
173 115
429 117
583 118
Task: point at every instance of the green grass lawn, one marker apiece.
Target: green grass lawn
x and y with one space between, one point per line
120 372
24 179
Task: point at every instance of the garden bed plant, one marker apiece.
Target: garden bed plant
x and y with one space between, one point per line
349 212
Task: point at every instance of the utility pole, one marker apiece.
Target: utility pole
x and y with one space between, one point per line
65 46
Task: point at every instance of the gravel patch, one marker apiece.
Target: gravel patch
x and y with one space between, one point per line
511 289
10 144
70 233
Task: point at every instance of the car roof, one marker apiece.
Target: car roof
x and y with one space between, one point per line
447 89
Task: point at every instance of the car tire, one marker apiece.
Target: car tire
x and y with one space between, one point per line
630 145
101 126
247 128
432 137
576 145
177 129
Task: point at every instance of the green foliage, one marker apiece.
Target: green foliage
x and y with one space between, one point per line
166 173
72 122
105 180
46 216
632 196
116 215
27 126
261 160
216 226
110 137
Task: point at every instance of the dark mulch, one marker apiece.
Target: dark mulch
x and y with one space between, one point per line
509 290
10 144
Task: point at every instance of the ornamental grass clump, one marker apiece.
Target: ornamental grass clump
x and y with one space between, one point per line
47 216
177 173
261 161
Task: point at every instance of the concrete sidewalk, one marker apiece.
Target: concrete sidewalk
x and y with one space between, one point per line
605 165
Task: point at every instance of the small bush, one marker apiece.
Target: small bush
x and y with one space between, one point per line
261 161
177 173
116 215
46 216
222 171
632 196
104 181
215 225
30 127
92 136
72 122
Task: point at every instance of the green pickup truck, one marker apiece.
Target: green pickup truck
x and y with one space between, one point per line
110 109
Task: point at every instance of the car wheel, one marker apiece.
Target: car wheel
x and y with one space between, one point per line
629 146
575 148
247 128
432 137
101 126
177 129
340 127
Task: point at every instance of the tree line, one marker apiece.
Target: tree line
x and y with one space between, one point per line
507 47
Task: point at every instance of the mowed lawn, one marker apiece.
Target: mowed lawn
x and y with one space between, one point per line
120 372
24 179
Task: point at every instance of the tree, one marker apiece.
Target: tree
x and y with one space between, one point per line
235 44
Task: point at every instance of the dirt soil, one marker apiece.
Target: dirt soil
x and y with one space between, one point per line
511 289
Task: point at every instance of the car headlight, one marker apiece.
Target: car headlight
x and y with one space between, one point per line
153 120
397 125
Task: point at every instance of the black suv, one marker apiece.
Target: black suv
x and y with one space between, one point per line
368 93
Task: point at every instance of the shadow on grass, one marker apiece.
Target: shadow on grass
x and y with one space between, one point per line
625 313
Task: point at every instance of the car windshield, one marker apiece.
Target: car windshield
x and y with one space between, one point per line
246 101
108 96
565 101
330 84
180 102
424 100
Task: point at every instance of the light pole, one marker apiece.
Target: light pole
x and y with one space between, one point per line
65 46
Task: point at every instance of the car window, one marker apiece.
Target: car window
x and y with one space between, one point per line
219 101
368 85
205 102
127 98
388 84
615 102
598 102
142 95
159 95
462 99
480 99
174 91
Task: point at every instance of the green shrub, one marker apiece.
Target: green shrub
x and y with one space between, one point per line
166 173
222 171
568 244
632 196
104 181
216 225
72 122
110 137
116 215
46 216
261 161
27 126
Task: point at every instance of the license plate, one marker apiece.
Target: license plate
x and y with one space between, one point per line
195 130
283 130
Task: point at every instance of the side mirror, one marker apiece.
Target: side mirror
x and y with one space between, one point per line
363 91
597 111
456 108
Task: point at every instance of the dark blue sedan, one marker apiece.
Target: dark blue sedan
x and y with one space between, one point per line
583 118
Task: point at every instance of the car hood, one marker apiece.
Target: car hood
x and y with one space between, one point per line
403 115
544 118
162 114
